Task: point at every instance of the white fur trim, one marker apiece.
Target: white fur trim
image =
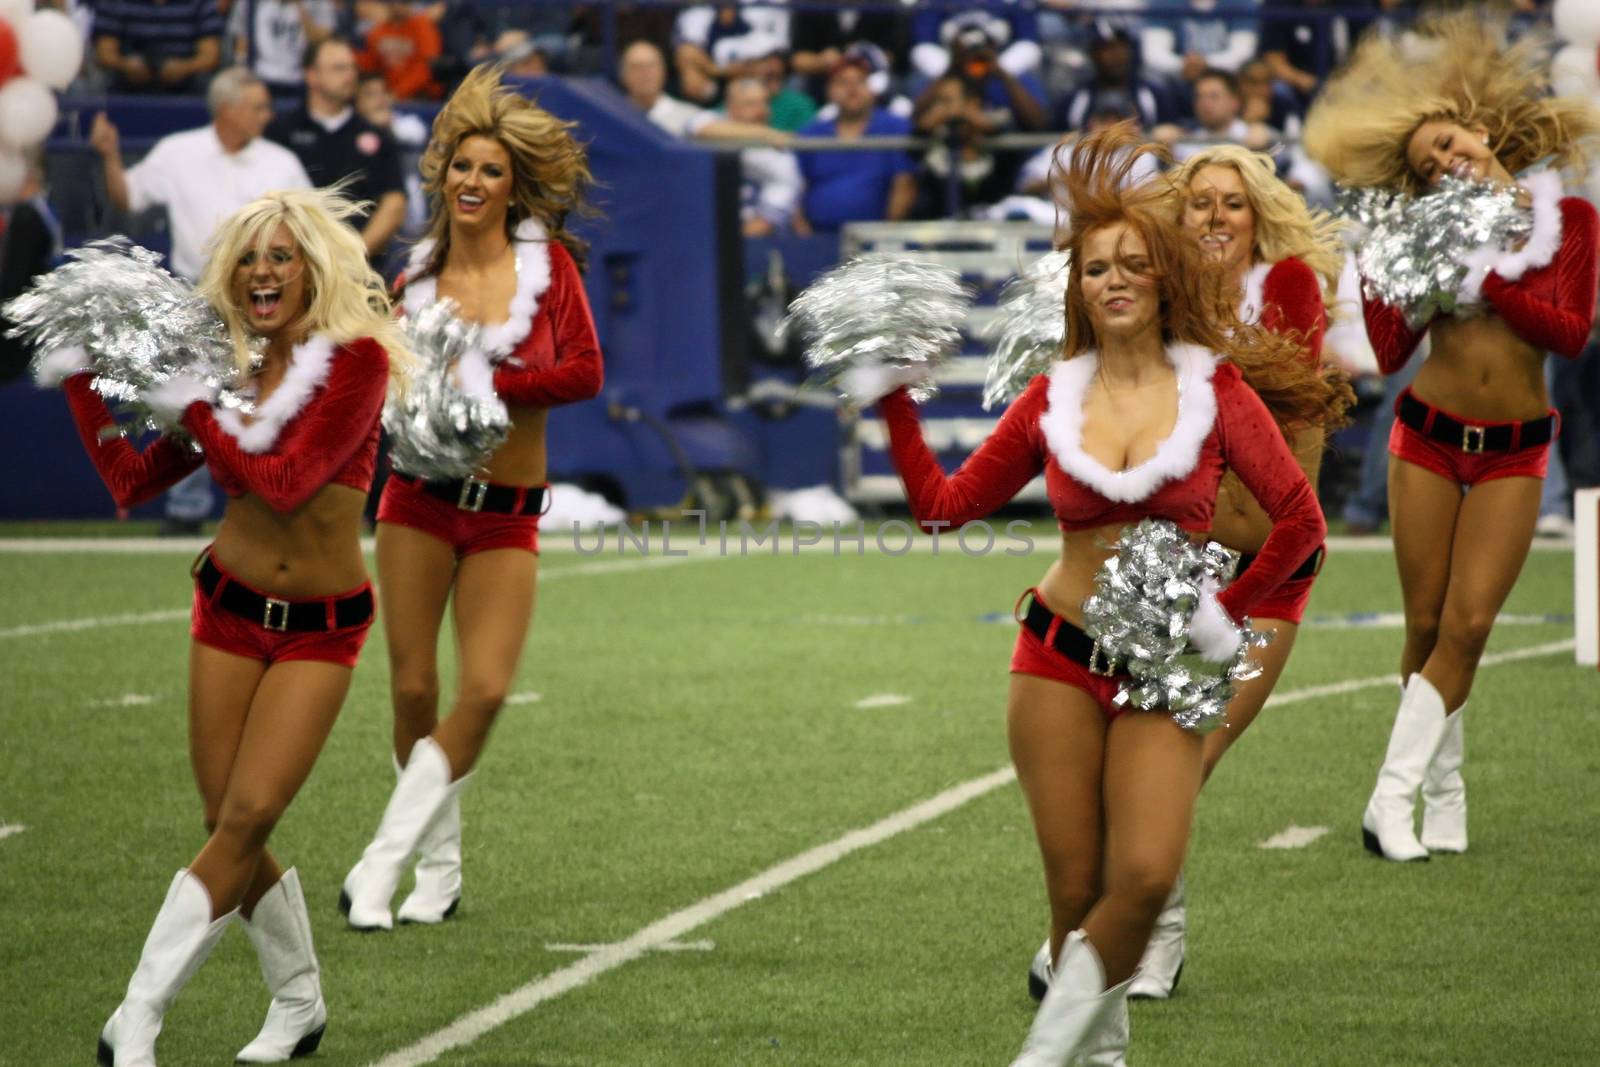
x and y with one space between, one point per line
308 369
1537 251
1254 299
474 375
1062 423
53 368
533 278
868 383
1211 630
171 398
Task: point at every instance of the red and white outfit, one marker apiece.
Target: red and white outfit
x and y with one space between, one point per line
318 428
1221 424
1545 292
1286 298
544 354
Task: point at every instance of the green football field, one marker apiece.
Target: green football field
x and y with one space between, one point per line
663 864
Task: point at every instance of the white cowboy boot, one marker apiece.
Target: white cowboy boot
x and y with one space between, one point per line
1108 1044
1162 964
1040 971
422 790
179 941
280 929
1444 794
1074 1010
1388 825
437 893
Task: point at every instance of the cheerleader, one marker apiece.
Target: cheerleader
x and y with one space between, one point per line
1473 433
1283 261
1139 420
282 603
503 175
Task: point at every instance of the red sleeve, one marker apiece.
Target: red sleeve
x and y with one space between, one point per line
1393 339
579 371
1292 303
1561 324
1006 461
1253 448
133 476
327 431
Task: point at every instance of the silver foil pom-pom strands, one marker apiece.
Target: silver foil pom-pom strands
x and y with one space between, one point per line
1029 328
1415 253
450 420
1140 612
880 321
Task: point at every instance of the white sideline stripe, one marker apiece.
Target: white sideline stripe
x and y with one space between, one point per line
668 946
10 829
474 1025
126 700
1395 620
883 700
524 698
1295 837
1315 692
468 1028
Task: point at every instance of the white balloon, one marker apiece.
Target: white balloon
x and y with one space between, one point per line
51 49
16 12
1573 71
1577 21
27 112
13 172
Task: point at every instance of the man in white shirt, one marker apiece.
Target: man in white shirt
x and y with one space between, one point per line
770 185
643 74
203 176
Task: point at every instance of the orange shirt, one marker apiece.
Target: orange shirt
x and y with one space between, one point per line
403 51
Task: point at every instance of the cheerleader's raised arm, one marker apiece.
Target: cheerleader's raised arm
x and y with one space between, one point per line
133 475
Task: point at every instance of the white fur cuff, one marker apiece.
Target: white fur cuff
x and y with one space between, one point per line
53 368
1544 241
868 383
169 400
1212 631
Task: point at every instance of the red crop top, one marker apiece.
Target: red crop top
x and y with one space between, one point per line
546 352
1221 424
1545 291
1285 297
319 427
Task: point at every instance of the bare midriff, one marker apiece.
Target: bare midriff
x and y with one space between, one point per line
1070 579
1479 369
313 551
1240 522
521 459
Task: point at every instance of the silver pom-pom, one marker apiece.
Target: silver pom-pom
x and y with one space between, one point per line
450 420
1029 328
1414 254
140 325
880 312
1139 615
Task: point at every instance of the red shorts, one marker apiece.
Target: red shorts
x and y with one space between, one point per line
1460 466
1033 656
406 503
212 625
1287 602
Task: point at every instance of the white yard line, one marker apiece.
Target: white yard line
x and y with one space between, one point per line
94 622
1295 837
667 946
468 1028
10 830
524 698
883 700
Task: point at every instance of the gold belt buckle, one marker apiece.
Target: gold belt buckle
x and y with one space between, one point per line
1472 439
473 494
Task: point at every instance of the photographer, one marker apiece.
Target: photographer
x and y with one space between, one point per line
1009 101
953 113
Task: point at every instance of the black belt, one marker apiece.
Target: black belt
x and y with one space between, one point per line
474 494
1308 569
1469 438
282 616
1070 641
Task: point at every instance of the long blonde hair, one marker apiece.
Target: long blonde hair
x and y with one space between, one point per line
549 170
1457 68
346 298
1285 224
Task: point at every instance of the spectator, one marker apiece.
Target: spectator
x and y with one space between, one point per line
1011 31
716 43
1185 46
403 47
1299 51
820 37
850 186
1217 108
879 83
626 21
520 57
279 32
335 144
158 46
1039 191
201 177
770 182
375 103
952 113
1010 101
643 74
1115 84
790 108
1268 102
30 245
463 38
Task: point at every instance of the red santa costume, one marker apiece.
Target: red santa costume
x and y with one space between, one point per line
544 354
1546 293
